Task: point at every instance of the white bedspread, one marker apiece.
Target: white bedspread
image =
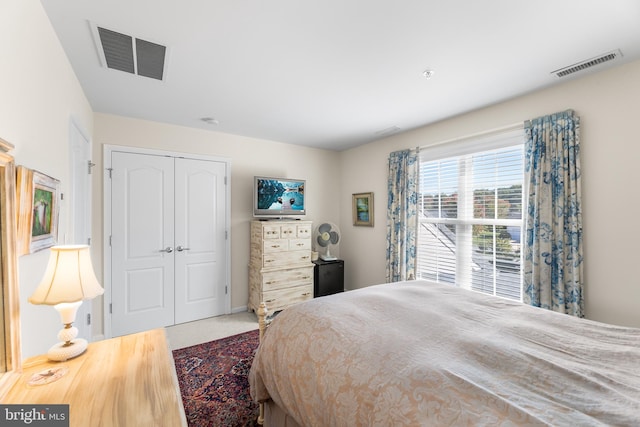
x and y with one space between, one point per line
422 354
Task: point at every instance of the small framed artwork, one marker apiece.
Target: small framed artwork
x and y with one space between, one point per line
38 206
363 209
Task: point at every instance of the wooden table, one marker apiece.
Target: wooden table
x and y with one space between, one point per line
124 381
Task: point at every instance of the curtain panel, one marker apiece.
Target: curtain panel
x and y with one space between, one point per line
402 215
552 262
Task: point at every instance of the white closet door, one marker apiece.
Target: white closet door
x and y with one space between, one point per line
142 242
201 276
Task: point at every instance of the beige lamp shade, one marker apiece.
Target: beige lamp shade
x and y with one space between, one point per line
69 277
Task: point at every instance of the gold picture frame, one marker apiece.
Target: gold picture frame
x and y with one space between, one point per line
38 198
362 207
10 348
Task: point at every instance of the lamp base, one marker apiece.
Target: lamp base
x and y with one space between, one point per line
68 347
61 351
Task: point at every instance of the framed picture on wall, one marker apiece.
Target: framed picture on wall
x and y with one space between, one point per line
38 208
363 209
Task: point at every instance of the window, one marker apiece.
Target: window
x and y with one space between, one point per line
471 214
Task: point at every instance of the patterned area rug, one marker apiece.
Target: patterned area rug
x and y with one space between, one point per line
214 384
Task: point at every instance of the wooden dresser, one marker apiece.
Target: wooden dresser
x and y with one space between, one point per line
280 268
124 381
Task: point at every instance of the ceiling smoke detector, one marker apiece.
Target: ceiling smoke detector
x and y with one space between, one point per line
581 66
427 74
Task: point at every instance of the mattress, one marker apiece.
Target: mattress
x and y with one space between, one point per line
421 353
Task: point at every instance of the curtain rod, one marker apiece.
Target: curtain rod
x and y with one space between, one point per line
507 128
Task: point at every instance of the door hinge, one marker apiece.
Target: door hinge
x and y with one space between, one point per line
110 240
90 164
110 171
226 289
88 318
89 241
226 235
225 180
110 308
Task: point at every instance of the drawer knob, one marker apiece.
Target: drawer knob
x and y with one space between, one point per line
270 300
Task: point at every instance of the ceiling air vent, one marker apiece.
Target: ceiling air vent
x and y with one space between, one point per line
580 66
388 131
129 54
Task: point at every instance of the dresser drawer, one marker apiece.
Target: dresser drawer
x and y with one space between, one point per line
276 245
303 231
299 244
279 299
288 231
286 259
271 232
274 280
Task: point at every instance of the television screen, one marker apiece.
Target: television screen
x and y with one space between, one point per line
278 196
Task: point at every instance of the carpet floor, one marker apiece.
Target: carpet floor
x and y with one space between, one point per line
214 384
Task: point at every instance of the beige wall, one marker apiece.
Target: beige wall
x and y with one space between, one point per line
608 104
40 95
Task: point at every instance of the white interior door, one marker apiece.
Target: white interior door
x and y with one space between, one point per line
142 240
201 276
80 205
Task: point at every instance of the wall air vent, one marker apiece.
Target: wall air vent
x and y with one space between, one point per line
566 71
129 54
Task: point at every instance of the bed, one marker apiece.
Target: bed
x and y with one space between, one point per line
421 353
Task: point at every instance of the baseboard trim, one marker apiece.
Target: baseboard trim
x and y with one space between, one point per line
238 309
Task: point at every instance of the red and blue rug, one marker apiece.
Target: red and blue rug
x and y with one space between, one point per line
214 384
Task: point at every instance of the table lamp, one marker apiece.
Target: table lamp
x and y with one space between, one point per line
68 280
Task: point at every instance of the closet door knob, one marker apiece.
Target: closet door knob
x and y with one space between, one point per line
180 249
168 249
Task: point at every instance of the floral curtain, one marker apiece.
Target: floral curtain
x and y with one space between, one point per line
402 218
552 264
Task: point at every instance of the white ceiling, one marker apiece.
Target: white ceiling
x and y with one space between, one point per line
334 73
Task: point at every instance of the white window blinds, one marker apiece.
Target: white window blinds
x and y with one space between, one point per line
471 206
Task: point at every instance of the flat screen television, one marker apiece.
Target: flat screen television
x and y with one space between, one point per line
278 197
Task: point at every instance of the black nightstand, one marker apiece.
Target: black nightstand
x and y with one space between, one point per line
328 277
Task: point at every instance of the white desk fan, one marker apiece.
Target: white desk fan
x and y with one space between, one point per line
326 235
